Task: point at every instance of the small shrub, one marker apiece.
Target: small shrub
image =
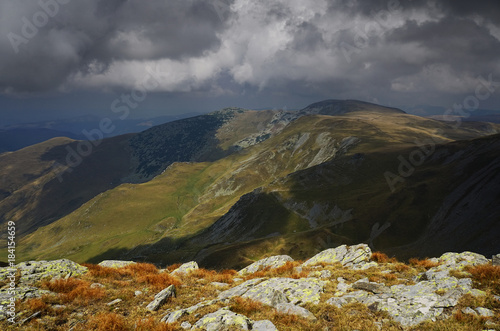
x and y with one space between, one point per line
159 281
107 322
98 271
37 304
152 324
380 257
63 285
487 275
138 269
401 267
425 263
245 306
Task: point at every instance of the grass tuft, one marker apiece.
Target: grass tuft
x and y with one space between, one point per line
380 257
425 263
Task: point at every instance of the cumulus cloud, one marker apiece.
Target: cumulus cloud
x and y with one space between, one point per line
354 48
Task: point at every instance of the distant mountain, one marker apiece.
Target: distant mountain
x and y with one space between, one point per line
15 139
236 183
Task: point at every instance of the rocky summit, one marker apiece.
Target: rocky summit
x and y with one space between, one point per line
346 288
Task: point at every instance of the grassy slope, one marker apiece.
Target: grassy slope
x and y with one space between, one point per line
188 198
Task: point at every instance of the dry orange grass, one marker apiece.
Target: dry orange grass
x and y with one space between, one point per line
152 324
286 270
212 275
36 305
425 263
245 306
172 267
107 322
98 271
159 281
487 275
75 290
380 257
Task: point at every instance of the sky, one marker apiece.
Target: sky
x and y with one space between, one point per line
65 58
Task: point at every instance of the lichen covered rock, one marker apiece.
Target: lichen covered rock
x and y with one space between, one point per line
272 262
346 255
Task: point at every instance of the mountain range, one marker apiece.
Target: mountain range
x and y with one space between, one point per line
234 185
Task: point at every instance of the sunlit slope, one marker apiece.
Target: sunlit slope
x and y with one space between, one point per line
188 198
450 202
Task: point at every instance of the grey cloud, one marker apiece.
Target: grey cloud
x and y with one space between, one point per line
98 32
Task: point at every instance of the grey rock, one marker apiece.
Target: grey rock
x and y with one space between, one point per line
495 259
240 289
137 293
347 256
291 309
484 312
34 271
223 319
469 310
173 316
186 325
323 274
272 262
97 285
343 287
264 325
115 263
266 295
161 297
186 268
297 291
114 302
408 304
219 285
371 287
29 318
59 307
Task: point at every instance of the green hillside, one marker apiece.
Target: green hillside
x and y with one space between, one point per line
290 184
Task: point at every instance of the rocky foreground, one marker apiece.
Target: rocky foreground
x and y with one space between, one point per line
344 288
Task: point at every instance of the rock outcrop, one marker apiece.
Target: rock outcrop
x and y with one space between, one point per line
427 294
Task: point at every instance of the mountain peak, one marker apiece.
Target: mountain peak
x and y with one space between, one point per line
341 107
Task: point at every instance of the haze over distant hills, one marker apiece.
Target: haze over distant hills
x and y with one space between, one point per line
232 185
16 136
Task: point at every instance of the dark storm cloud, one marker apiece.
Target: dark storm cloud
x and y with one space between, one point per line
86 36
378 49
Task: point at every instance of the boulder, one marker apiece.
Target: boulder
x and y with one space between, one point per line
272 262
186 268
266 295
161 297
296 291
115 263
495 259
223 319
34 271
264 325
484 312
346 255
408 304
